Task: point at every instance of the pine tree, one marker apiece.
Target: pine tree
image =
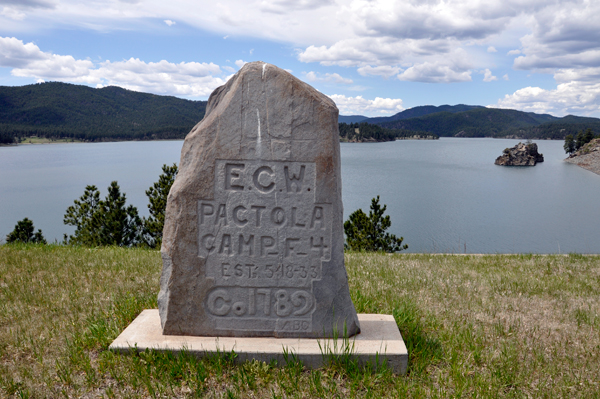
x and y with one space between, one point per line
569 144
24 232
103 222
588 136
157 196
119 225
84 216
367 233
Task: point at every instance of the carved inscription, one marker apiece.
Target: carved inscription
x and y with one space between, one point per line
264 239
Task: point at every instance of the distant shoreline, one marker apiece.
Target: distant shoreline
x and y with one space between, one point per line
588 158
59 141
589 162
45 141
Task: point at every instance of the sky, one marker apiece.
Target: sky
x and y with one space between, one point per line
372 57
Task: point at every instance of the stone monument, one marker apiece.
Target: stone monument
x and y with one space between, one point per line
253 237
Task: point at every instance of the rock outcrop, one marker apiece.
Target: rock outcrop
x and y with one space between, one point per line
588 157
520 155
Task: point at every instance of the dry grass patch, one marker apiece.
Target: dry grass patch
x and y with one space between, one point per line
54 303
476 326
509 324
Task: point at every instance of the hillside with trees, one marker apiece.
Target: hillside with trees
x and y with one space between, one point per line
366 132
66 111
574 143
475 121
422 110
558 129
61 110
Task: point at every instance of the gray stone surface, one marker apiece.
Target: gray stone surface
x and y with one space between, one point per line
378 341
253 238
522 154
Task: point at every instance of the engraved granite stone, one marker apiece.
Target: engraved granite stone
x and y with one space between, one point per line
253 238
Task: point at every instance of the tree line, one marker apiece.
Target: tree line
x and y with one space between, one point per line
57 110
493 122
363 131
109 221
6 138
15 134
575 143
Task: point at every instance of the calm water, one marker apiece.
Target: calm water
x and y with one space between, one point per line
442 195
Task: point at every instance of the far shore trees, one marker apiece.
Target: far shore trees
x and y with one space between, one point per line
574 144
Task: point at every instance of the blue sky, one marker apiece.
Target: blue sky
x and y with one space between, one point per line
373 57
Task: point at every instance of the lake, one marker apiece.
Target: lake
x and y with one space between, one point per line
442 195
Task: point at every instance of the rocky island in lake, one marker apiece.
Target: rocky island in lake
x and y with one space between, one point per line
523 154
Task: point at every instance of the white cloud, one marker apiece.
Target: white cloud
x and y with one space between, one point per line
565 99
29 3
29 60
415 33
576 93
415 40
300 22
505 77
326 78
14 53
184 79
430 72
285 6
363 106
12 13
385 71
240 63
431 19
584 59
362 52
16 9
169 22
438 64
488 76
589 75
564 35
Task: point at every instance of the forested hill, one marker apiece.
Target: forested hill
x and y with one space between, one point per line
65 110
487 122
62 110
422 110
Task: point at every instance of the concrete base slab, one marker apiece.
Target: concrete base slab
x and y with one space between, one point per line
379 341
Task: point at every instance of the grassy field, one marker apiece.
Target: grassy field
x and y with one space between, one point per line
476 326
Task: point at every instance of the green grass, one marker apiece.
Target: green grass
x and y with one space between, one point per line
475 326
